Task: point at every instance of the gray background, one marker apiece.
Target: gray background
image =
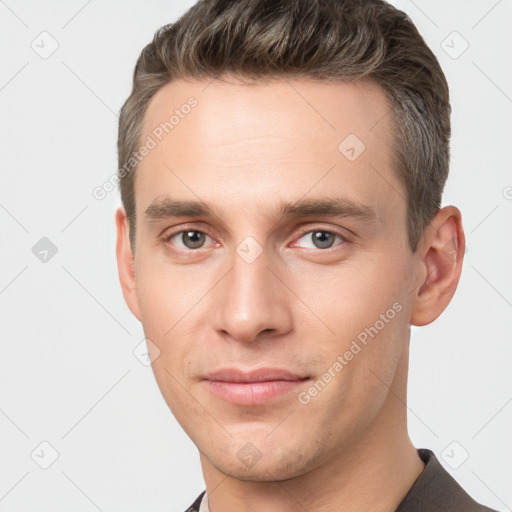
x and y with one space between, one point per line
68 374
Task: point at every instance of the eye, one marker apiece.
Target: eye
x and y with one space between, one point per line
319 239
188 239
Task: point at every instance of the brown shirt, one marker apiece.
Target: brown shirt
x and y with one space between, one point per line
433 491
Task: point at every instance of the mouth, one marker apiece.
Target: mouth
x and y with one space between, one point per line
255 387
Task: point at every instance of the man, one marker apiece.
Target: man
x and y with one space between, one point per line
281 167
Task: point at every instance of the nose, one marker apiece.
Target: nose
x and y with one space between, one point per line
251 302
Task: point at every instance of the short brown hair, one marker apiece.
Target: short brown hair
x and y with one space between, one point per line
317 39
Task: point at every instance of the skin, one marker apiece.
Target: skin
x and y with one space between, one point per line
243 150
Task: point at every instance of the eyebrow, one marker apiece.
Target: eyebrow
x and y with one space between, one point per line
162 208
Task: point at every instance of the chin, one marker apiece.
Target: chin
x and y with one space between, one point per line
270 471
267 465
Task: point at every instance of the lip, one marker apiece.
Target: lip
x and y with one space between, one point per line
254 387
256 375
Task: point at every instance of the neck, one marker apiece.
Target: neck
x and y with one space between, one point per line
374 472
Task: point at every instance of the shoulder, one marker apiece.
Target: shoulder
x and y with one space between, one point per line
195 506
436 490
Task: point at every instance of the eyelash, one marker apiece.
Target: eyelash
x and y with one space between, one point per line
344 239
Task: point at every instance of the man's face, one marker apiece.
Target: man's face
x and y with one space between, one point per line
249 287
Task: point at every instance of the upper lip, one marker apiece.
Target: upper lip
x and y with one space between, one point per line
256 375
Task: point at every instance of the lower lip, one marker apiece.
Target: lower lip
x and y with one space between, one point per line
252 393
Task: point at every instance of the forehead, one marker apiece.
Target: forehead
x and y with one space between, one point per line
246 144
233 110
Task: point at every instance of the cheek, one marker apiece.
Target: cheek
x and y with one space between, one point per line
168 301
351 296
360 322
166 293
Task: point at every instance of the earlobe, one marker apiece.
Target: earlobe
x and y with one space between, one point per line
125 262
441 251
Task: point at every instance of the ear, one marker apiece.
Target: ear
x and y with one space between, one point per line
125 263
441 251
